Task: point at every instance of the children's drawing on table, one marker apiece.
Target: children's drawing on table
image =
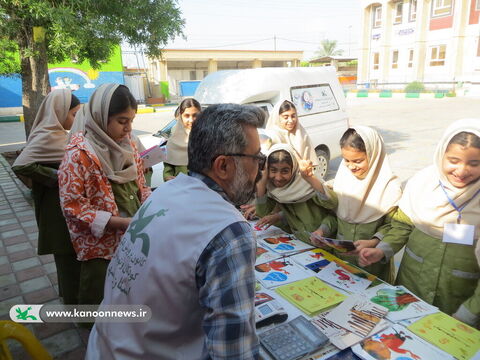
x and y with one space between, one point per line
261 298
275 265
338 276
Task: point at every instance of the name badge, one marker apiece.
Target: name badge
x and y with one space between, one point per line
458 234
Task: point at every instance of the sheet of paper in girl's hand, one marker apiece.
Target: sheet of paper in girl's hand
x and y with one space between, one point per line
337 335
448 334
279 272
397 343
338 276
265 255
284 244
400 302
311 295
358 315
315 259
153 155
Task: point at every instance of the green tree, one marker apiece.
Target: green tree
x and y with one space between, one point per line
328 48
43 31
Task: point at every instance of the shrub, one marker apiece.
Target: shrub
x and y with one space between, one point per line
414 87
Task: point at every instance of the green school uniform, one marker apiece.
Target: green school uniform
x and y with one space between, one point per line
94 271
173 170
351 231
301 218
53 234
443 274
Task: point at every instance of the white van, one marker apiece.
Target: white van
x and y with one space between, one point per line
315 91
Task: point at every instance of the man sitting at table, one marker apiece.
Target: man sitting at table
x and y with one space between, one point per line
189 255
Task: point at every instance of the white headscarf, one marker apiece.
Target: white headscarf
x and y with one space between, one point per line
424 200
177 145
362 201
297 190
117 159
298 139
47 140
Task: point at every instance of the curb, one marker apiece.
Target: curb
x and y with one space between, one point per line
12 118
387 94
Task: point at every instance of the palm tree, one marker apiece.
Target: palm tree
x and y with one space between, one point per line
328 48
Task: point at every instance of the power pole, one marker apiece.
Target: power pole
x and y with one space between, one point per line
275 42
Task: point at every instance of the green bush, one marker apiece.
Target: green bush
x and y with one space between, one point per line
414 87
451 94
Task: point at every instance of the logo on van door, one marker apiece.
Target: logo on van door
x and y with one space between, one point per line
307 100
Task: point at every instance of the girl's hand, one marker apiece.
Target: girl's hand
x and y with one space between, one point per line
118 223
306 168
362 244
268 221
316 237
248 211
369 256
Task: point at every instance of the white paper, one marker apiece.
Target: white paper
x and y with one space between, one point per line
458 234
153 156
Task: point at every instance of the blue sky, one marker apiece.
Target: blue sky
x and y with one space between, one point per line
252 24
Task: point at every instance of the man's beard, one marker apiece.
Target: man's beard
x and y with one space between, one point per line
242 189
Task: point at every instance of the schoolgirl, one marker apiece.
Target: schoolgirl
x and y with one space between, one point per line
282 186
101 184
177 145
39 161
365 195
438 222
285 128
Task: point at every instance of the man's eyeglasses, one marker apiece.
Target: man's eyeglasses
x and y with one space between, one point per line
259 157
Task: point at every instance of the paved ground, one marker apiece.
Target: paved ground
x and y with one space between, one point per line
410 127
25 277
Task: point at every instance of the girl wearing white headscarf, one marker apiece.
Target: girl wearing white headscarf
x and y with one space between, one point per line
101 184
177 145
282 186
286 129
39 162
439 223
365 195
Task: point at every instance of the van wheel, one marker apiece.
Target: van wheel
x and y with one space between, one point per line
323 159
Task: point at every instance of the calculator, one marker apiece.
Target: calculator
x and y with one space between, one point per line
292 340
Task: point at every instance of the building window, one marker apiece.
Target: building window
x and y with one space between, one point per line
395 59
376 61
398 13
477 5
377 16
437 55
410 58
441 7
193 75
412 16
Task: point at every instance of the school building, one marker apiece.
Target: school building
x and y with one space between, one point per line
432 41
186 68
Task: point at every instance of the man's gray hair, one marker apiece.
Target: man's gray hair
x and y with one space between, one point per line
219 130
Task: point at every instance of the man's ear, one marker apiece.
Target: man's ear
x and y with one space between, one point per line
223 167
